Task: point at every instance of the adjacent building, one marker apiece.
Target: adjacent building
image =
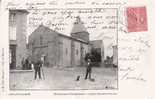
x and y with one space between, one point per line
17 37
115 55
98 47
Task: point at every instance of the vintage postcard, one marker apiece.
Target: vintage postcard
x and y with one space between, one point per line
62 45
77 48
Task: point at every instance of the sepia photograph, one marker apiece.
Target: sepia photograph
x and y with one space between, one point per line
77 48
63 49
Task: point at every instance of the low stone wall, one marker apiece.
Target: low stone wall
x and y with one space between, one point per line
20 71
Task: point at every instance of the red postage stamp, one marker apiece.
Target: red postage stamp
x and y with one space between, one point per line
136 19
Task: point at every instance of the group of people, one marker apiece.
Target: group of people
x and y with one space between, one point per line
38 64
26 64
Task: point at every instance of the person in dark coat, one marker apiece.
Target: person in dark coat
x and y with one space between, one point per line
37 68
26 63
88 69
23 63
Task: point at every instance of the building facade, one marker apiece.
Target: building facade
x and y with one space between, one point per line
57 49
115 55
17 37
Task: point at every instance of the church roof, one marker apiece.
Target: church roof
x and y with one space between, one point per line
42 27
19 10
78 26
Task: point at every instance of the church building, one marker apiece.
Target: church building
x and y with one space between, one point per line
59 49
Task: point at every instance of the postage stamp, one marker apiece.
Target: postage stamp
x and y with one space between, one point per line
136 19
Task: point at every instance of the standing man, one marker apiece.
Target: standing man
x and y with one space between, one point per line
42 63
88 69
23 63
42 59
26 63
37 68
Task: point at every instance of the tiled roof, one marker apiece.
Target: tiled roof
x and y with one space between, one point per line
60 34
19 10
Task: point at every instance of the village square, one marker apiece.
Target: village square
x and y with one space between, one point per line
49 60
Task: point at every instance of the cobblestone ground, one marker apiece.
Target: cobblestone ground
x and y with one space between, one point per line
65 78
